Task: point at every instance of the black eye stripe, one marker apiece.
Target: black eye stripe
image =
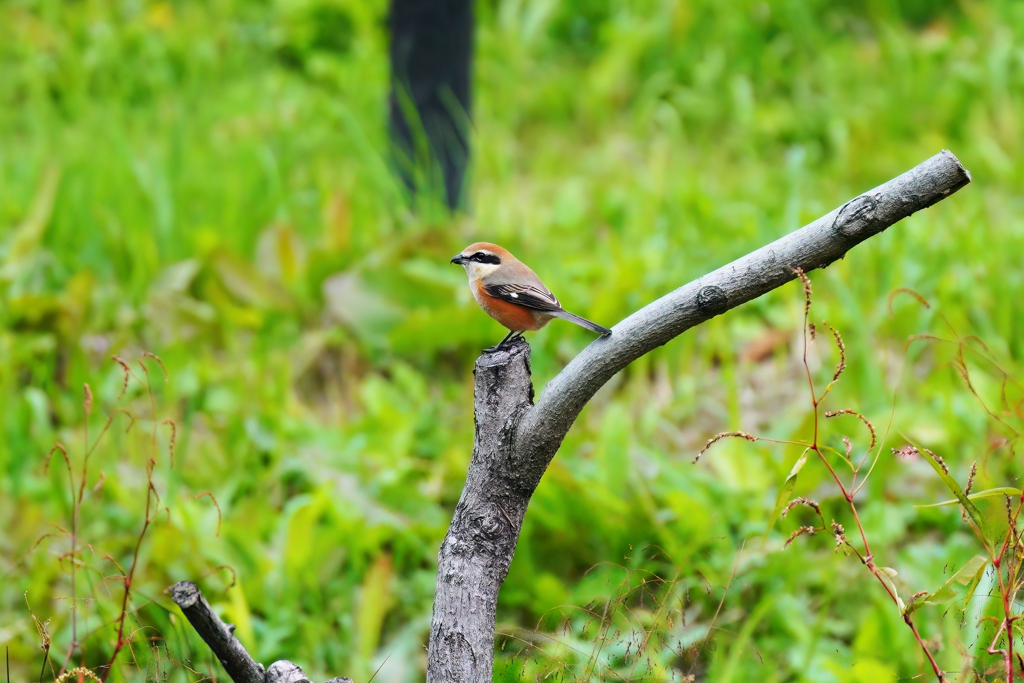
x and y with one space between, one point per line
484 257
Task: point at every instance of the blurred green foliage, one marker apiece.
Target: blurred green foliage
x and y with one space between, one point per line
209 182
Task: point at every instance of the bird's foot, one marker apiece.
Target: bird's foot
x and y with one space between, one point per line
505 343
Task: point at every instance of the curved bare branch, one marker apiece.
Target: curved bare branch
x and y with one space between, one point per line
816 245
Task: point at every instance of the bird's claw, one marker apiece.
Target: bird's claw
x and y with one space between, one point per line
504 343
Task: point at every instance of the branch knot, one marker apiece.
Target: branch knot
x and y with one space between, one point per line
712 300
857 215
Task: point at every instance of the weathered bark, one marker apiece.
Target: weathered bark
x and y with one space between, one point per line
481 540
515 440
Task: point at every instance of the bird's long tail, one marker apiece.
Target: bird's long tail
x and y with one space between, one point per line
582 322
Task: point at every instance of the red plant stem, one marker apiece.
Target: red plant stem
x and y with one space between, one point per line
920 641
860 527
1007 622
76 507
74 602
867 558
76 510
1008 625
75 504
128 587
1008 600
810 383
150 492
870 564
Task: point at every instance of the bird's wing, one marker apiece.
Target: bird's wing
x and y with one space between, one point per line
527 295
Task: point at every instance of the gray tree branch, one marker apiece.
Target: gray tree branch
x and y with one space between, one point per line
216 634
220 638
515 440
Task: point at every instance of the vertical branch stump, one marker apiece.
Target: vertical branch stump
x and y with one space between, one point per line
475 555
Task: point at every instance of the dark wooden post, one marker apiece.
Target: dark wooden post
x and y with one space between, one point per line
431 54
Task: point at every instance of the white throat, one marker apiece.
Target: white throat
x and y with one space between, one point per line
476 271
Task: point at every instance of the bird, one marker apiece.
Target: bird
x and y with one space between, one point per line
511 293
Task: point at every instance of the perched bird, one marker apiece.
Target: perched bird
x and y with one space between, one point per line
511 293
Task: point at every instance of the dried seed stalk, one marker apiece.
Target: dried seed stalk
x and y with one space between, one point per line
842 352
905 452
723 435
801 501
867 423
840 533
970 478
174 437
149 354
938 459
807 288
809 530
127 373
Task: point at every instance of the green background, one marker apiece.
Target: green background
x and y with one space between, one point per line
210 182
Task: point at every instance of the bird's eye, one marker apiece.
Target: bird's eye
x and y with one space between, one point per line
484 257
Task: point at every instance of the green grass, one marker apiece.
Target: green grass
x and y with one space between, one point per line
209 182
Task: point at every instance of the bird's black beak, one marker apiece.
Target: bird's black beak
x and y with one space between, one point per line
458 259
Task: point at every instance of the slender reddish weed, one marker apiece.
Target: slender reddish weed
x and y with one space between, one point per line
847 487
78 479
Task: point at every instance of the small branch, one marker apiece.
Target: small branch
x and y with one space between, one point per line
216 634
232 655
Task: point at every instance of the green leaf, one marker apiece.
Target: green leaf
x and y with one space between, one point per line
26 237
980 495
955 489
785 491
240 614
976 581
375 601
968 575
247 284
915 604
888 576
